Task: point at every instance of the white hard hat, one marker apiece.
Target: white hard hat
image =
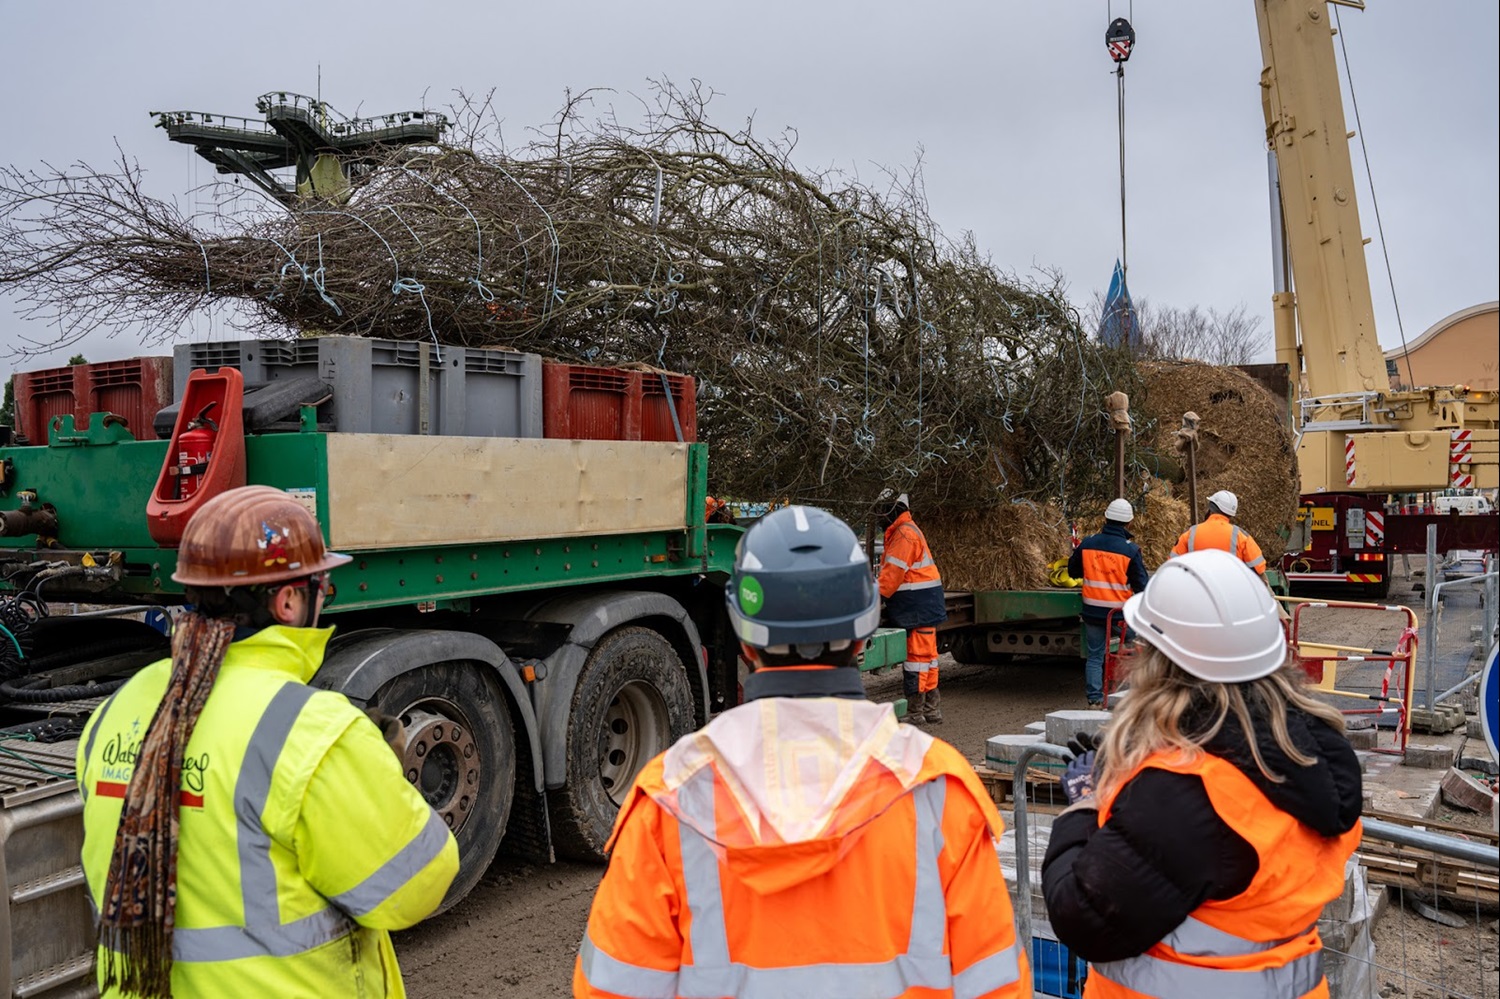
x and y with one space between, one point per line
1227 502
1120 511
1212 616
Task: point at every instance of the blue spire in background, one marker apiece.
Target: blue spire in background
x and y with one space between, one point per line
1118 324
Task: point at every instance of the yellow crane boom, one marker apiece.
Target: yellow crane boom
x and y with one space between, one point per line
1356 435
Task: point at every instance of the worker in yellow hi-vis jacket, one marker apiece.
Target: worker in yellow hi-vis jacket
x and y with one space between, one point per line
244 833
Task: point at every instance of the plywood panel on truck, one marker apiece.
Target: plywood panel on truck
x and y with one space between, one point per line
394 491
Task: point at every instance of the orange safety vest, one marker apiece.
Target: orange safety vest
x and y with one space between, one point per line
1218 532
1106 578
751 861
1263 941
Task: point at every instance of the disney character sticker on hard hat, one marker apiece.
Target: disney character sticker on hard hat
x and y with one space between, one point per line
273 543
752 597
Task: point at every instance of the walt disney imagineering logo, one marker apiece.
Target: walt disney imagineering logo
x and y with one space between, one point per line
120 754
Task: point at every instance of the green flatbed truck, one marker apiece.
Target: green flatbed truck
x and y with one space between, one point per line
543 616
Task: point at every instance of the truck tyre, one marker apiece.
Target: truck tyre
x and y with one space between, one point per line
631 703
460 752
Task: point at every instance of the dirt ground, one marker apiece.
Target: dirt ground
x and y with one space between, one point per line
515 935
1423 959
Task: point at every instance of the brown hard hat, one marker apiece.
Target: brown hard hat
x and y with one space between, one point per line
251 535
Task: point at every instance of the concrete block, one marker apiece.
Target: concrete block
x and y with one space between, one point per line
1474 728
1116 698
1000 751
1445 718
1429 757
1038 727
1483 764
1063 725
1363 738
1463 791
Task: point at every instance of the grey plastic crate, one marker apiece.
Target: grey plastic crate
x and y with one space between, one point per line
378 385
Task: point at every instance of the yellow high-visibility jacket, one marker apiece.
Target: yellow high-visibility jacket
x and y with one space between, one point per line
301 843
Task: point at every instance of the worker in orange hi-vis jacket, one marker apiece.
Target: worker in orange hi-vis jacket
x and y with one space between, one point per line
912 590
1218 530
805 843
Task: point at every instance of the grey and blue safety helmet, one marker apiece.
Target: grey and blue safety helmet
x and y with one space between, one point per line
801 581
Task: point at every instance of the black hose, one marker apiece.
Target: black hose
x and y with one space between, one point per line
83 679
17 693
18 616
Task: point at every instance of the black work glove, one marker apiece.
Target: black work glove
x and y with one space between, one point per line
1078 778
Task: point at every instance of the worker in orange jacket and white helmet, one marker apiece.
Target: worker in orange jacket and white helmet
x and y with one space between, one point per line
804 843
1218 530
1216 820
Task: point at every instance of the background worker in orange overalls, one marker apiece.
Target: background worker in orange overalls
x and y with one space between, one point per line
1215 822
912 590
1218 530
804 843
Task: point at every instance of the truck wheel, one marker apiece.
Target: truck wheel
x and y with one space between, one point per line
460 753
631 703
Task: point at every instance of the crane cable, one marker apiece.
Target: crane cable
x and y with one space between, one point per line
1109 11
1374 199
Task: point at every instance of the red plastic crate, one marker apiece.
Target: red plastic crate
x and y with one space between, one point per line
135 389
615 404
588 403
656 414
41 395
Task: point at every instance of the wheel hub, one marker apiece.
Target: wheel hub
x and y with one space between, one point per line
442 761
636 727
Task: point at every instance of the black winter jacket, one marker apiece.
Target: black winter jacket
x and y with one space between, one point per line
1114 891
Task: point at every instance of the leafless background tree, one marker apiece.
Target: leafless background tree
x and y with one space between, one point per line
1195 333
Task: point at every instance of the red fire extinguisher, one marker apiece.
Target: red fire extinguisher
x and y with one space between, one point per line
195 446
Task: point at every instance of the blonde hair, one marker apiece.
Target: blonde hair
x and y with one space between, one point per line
1163 695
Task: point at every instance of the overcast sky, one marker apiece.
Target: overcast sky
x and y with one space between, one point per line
1012 103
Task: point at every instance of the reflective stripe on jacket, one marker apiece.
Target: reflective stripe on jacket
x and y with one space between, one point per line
732 876
921 650
1263 941
300 839
1218 532
910 583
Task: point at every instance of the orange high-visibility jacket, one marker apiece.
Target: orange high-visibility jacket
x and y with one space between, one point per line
1106 578
1263 941
1218 532
910 583
804 847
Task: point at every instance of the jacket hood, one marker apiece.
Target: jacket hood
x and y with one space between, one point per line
1326 797
804 778
903 518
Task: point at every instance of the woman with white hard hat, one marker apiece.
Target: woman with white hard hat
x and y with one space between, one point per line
1217 815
